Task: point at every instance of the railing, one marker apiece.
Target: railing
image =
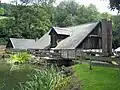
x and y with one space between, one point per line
64 53
45 53
73 53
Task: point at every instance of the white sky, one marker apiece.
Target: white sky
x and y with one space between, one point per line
102 5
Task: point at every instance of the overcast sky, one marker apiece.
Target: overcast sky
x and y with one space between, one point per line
102 5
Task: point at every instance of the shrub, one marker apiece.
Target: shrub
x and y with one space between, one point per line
20 57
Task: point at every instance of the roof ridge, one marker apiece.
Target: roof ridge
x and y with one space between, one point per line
62 28
22 38
83 24
76 25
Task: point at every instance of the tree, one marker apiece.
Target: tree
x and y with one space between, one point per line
106 16
29 2
115 4
2 11
26 21
30 21
116 31
65 11
5 31
70 13
87 14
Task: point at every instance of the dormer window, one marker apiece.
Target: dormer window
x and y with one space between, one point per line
58 34
53 36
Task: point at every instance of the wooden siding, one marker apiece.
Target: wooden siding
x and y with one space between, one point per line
74 53
93 40
53 40
9 45
61 37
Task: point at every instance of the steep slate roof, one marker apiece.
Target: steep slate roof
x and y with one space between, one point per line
43 42
62 31
22 43
77 35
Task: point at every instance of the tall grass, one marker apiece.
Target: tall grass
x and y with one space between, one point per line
47 79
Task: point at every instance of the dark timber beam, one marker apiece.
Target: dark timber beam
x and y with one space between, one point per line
95 36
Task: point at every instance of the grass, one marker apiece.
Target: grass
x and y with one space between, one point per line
100 78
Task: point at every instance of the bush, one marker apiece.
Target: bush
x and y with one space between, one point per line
20 57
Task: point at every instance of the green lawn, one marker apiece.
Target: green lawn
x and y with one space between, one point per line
100 78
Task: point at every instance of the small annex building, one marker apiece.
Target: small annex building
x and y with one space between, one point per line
20 44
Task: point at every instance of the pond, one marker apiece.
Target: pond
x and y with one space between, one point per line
12 75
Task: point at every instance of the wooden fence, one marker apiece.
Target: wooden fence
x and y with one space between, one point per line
64 53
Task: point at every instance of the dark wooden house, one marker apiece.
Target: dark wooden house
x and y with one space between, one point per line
71 40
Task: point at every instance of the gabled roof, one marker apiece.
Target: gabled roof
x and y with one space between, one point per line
62 31
43 42
22 43
77 35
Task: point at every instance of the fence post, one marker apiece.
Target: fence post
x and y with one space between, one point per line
82 57
90 63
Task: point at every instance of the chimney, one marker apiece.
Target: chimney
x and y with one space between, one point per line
106 37
109 37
